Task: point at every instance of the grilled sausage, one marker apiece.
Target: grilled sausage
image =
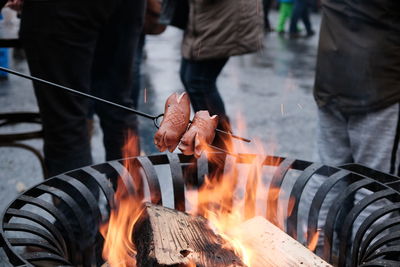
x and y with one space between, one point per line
175 121
201 132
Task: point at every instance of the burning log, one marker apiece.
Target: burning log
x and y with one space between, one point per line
270 246
166 237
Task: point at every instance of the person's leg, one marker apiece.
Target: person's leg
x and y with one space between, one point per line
112 74
285 10
59 38
305 16
333 142
375 139
200 81
296 14
60 50
137 77
266 6
288 15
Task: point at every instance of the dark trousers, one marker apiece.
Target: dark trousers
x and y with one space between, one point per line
89 46
200 81
267 6
300 11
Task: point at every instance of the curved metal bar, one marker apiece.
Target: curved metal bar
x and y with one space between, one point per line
297 191
44 256
178 182
83 228
319 198
16 117
390 251
395 236
43 222
380 262
276 182
126 175
105 184
14 258
31 149
80 183
359 237
371 173
20 117
376 231
22 227
160 159
346 231
152 180
60 217
76 188
334 212
33 242
273 160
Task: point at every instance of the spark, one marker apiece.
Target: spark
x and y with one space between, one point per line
145 95
282 110
300 106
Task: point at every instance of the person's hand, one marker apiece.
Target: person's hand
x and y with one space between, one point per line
15 5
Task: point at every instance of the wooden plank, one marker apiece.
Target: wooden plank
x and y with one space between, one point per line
166 237
271 247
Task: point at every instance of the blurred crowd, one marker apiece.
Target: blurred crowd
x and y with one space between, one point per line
291 12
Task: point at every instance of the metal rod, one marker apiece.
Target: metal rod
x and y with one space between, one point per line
32 78
73 91
233 136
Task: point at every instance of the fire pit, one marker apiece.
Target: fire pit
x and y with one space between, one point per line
33 221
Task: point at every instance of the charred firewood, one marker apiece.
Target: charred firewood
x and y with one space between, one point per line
166 237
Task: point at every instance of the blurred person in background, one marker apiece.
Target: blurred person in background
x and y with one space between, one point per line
357 84
300 12
357 89
217 30
267 25
89 46
285 12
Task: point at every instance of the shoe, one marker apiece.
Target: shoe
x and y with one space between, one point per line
310 33
294 35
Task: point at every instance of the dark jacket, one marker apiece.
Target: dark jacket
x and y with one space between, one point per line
223 28
358 65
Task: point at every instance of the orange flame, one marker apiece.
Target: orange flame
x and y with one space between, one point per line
118 247
227 198
314 241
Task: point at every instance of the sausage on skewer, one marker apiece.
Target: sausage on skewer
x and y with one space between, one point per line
175 122
201 132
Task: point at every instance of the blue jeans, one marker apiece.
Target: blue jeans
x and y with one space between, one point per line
300 11
89 46
200 81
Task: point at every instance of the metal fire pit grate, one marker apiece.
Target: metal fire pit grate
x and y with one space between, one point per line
32 220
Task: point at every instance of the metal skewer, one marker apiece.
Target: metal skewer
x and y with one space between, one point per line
137 112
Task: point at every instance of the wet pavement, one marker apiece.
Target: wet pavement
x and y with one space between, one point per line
271 91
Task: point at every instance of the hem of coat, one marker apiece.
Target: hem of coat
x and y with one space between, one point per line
215 53
355 110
